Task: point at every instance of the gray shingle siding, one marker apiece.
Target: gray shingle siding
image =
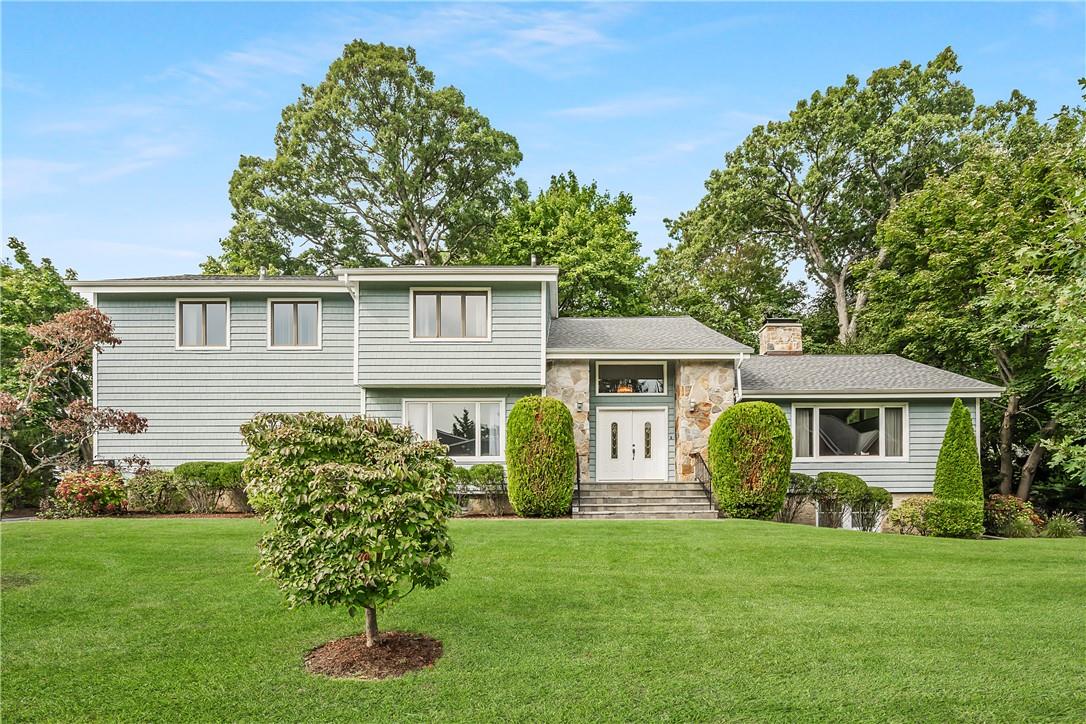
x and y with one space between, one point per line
387 356
196 401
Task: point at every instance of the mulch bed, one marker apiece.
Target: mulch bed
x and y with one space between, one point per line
395 654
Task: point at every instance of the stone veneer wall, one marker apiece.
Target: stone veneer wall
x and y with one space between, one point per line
780 338
708 386
568 381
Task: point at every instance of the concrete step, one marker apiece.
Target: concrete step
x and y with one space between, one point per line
644 508
647 496
604 500
629 488
611 515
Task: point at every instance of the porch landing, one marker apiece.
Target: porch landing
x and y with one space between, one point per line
642 499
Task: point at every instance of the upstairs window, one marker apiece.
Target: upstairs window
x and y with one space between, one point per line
294 323
450 315
638 378
826 431
203 323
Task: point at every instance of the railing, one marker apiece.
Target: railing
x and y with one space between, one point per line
577 486
703 476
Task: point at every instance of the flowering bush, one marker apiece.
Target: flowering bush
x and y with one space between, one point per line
95 490
1000 512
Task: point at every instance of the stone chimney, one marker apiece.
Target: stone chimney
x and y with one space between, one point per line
780 335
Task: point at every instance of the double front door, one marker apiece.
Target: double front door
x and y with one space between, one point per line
631 444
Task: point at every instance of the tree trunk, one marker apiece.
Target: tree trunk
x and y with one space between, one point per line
371 626
1036 455
1006 454
840 299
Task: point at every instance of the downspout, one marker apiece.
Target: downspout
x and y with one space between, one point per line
739 377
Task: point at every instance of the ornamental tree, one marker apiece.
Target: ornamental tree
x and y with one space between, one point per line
358 509
958 508
44 422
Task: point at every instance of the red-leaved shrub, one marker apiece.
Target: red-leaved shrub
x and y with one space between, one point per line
89 491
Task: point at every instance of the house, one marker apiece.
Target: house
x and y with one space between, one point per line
449 350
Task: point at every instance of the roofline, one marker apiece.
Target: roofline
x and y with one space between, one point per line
612 354
430 273
868 395
188 286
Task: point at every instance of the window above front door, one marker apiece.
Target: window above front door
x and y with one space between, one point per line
631 378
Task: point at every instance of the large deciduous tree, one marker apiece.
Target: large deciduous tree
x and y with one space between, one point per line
985 274
816 186
374 164
584 231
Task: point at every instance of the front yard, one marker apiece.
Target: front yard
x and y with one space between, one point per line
165 619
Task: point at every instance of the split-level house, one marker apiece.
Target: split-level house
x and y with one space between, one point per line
449 350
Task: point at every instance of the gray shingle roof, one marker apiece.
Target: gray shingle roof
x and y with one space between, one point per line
219 278
638 334
860 373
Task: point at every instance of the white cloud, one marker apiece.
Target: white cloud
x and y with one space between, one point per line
639 105
135 154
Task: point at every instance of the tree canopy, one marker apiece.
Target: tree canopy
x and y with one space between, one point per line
373 165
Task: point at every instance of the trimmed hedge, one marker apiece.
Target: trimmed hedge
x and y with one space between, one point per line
958 511
835 492
204 483
750 458
540 457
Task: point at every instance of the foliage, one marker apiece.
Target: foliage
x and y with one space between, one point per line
587 234
815 186
154 491
836 493
1020 527
45 422
540 457
985 275
728 283
1001 510
750 456
460 484
88 491
489 478
958 480
910 517
357 509
802 490
372 164
872 507
204 483
1063 525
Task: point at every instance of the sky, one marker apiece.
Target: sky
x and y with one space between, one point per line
122 123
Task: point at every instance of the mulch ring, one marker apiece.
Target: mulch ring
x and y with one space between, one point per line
394 654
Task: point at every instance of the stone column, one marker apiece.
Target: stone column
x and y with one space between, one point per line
568 381
703 389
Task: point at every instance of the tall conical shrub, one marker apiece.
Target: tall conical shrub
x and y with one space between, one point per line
958 508
540 457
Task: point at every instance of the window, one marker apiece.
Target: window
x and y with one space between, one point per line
470 428
451 314
614 441
871 431
644 378
203 323
294 323
648 440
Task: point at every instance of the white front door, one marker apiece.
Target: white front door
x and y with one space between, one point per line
631 444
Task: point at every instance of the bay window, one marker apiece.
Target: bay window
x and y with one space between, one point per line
841 430
470 428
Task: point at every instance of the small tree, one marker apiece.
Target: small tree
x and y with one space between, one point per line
41 425
958 510
541 457
358 509
750 457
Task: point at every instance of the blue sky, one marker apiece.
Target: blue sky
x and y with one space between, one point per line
123 122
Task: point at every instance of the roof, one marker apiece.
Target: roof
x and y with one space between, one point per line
638 335
439 269
860 374
214 278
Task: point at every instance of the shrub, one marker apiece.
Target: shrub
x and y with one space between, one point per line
871 508
836 492
541 457
460 484
1062 525
204 483
89 491
750 456
911 517
154 491
489 479
802 490
1020 527
1001 510
357 509
958 484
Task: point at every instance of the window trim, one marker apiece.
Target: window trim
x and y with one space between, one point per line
476 458
177 324
292 347
412 291
639 395
848 404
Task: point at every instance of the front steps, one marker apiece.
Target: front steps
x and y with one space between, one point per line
642 499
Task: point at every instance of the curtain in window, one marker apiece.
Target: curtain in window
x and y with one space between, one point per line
804 432
895 433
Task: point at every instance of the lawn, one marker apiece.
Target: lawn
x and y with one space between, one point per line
165 619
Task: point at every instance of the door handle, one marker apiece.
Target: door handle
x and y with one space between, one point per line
633 451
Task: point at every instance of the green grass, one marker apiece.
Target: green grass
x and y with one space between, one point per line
165 619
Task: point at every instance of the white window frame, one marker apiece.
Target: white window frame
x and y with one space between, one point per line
177 324
662 365
291 347
429 433
446 340
858 404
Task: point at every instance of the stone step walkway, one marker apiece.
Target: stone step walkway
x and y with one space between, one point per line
642 500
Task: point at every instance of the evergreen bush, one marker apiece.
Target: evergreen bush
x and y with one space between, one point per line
750 458
836 492
802 490
540 456
959 489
